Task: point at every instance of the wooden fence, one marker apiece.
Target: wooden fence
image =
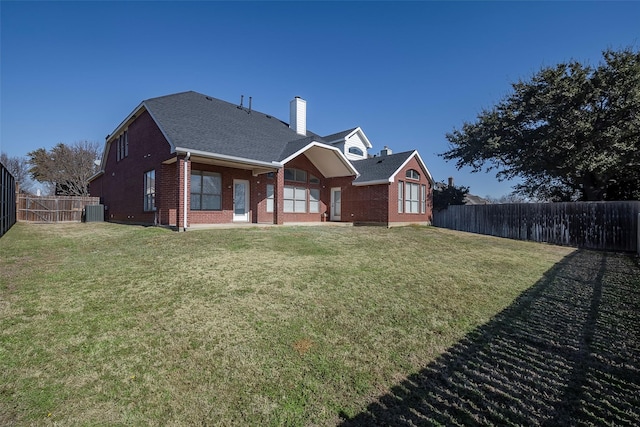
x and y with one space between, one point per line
592 225
52 208
7 200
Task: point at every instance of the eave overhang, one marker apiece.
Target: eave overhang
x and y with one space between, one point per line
256 166
330 161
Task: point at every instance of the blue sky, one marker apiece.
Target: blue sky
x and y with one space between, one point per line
406 72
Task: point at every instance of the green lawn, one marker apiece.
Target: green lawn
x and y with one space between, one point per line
105 324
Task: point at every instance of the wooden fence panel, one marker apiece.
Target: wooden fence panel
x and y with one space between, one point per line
592 225
53 208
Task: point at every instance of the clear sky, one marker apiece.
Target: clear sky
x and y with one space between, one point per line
406 72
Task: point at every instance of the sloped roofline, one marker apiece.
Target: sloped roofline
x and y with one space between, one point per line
350 134
337 151
392 178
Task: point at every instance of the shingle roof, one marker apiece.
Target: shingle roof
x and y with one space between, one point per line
338 135
379 168
294 146
195 121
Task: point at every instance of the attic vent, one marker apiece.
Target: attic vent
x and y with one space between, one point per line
268 116
209 98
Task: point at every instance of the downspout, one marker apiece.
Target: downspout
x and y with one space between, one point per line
186 159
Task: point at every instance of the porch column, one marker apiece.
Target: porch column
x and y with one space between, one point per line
278 197
184 185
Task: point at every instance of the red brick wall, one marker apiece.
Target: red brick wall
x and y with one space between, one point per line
394 216
121 187
226 214
366 204
302 162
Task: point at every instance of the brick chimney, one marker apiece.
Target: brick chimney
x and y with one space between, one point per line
298 115
450 181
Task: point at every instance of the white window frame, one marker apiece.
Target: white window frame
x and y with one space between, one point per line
314 202
413 174
412 198
150 191
423 199
400 197
295 199
270 197
201 194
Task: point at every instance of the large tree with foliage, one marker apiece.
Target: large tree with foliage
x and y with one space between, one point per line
572 132
67 167
446 195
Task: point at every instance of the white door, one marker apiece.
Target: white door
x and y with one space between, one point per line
240 200
336 204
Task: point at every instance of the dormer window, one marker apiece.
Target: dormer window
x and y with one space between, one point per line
356 151
413 174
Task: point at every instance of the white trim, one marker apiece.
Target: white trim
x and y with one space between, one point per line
210 155
341 156
350 134
247 201
392 178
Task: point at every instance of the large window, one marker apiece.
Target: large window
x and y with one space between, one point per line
295 199
206 191
314 200
150 191
412 198
400 197
423 199
269 197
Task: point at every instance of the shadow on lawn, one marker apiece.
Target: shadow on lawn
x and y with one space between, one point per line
566 352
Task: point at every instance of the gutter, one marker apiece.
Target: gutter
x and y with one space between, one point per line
272 165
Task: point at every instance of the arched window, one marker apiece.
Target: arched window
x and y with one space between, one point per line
413 174
356 151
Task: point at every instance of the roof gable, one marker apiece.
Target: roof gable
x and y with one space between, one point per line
383 169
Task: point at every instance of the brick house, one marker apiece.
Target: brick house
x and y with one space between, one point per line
188 159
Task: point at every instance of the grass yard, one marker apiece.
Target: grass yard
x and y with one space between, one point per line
105 324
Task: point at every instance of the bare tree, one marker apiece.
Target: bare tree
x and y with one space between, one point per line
19 168
66 167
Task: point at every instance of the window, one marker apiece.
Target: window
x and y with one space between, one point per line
314 200
122 146
296 175
295 199
314 179
269 197
356 151
423 199
150 191
413 174
400 198
412 198
271 175
206 191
